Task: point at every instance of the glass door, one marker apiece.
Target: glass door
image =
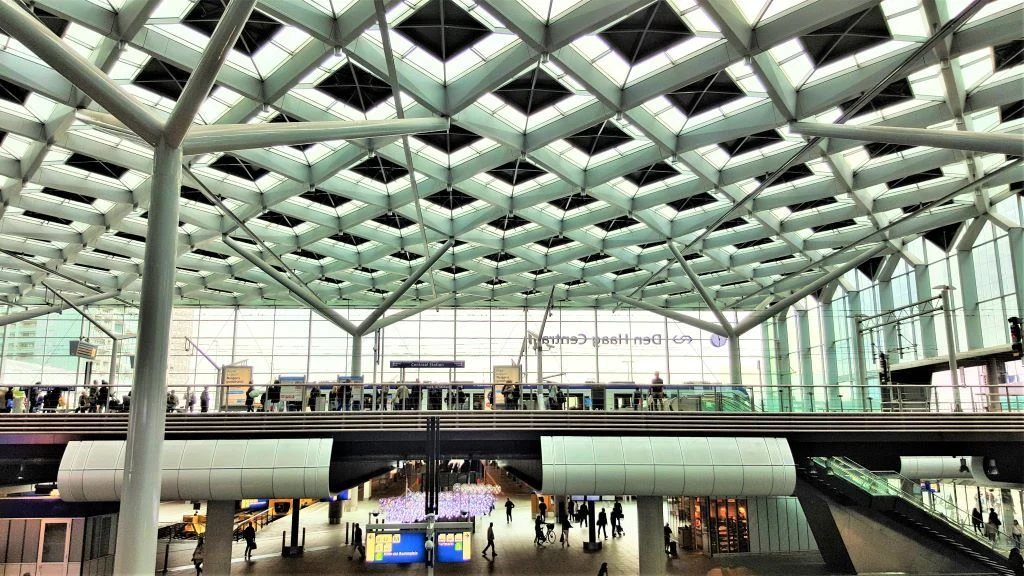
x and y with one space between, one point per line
54 538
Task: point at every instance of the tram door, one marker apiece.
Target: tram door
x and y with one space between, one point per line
55 539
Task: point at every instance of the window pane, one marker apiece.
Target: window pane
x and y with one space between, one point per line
54 538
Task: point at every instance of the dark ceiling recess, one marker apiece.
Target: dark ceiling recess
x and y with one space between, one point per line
405 255
378 291
915 178
871 266
554 242
898 91
258 30
706 94
534 90
573 201
281 118
833 225
189 193
617 223
695 201
745 144
324 198
239 168
943 236
625 271
356 87
792 174
516 172
847 37
130 236
499 257
691 256
90 164
334 281
538 272
1009 55
595 257
920 206
46 217
530 292
102 252
280 219
55 23
820 202
752 243
451 199
442 28
301 253
1012 111
509 222
734 223
649 245
452 270
208 253
455 139
879 149
646 32
161 78
380 169
651 174
598 138
365 270
572 283
495 282
67 195
13 92
394 220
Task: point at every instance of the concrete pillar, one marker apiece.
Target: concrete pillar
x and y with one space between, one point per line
220 524
783 367
927 340
995 376
650 532
296 509
828 336
735 361
807 383
969 294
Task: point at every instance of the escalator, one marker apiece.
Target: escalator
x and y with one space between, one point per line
849 484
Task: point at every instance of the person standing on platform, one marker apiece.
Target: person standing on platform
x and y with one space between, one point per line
274 396
103 397
197 556
657 392
490 543
249 535
617 520
584 514
401 398
509 505
250 397
668 538
571 507
566 526
204 400
602 523
1016 532
314 395
1016 561
543 508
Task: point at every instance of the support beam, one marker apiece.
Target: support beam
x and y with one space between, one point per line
201 80
356 362
84 75
140 496
682 318
231 137
759 316
695 280
64 305
299 292
409 312
990 142
735 361
110 333
366 324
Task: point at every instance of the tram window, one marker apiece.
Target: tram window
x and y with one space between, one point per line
55 535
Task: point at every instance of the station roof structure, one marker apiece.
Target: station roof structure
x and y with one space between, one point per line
584 135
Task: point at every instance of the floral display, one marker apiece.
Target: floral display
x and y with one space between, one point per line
452 505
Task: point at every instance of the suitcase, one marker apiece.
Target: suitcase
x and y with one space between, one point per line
673 549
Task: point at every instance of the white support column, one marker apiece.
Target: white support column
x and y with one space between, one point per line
860 380
220 520
927 341
947 316
140 501
650 522
784 369
356 364
1016 236
807 383
735 361
828 336
969 294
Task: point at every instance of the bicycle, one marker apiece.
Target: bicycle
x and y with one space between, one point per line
551 533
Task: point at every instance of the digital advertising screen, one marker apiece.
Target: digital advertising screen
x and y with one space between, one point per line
454 546
395 547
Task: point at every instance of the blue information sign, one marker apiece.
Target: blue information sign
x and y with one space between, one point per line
395 547
454 546
428 363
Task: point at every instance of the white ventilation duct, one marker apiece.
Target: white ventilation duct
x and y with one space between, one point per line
93 471
667 466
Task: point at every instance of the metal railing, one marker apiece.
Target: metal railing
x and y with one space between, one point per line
890 483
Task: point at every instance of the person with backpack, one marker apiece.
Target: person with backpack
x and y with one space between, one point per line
249 535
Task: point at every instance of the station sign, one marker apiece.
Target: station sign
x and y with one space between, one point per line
395 547
428 363
83 349
454 546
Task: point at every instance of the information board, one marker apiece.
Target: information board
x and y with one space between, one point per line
236 379
395 547
428 363
510 374
454 546
83 349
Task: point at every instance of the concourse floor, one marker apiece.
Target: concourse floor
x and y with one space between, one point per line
326 552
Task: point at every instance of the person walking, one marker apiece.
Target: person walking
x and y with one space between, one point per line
357 541
314 396
1015 531
566 526
197 556
538 530
250 398
992 528
204 400
1015 561
572 510
509 505
490 543
543 508
249 535
617 520
583 513
977 520
668 539
602 523
603 570
657 392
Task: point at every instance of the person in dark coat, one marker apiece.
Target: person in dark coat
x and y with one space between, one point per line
204 400
602 523
1015 561
249 535
566 526
603 571
250 399
103 397
314 395
509 505
977 520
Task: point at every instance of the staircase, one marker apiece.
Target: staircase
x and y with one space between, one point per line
849 483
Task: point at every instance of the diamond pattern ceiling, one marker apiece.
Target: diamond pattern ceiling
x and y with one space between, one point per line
584 134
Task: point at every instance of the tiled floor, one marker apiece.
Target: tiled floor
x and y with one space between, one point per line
517 555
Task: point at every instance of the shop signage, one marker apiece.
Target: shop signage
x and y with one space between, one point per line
428 363
612 340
